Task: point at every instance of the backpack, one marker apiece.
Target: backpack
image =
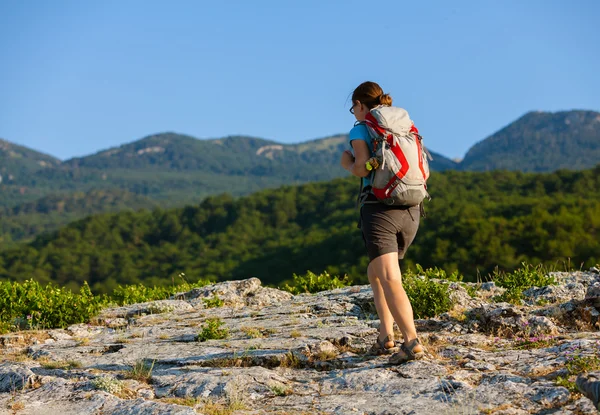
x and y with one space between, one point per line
400 166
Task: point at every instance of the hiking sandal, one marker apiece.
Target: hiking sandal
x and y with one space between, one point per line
589 385
379 347
407 352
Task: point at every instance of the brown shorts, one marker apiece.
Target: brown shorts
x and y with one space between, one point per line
388 229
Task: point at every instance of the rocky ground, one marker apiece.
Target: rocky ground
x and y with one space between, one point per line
306 354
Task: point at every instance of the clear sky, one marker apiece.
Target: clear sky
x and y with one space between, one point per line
80 76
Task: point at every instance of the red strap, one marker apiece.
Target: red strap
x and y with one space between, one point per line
415 132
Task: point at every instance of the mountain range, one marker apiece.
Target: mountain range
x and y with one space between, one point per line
172 169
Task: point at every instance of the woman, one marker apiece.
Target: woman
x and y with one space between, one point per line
387 231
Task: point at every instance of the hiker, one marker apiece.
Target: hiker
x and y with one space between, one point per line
589 385
387 231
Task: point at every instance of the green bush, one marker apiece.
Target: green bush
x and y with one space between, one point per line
520 280
212 329
213 302
427 297
438 273
30 305
139 293
313 283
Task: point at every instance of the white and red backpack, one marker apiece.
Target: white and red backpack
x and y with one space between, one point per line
400 179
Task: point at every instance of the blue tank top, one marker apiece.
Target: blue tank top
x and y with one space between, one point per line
360 132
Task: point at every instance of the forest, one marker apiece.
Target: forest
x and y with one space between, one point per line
476 222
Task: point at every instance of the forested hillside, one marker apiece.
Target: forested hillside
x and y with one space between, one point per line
173 170
16 160
475 222
166 170
23 222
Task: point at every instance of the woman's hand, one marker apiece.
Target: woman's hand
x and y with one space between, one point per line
347 159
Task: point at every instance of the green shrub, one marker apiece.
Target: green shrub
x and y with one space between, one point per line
427 297
134 294
213 302
438 273
211 329
30 305
313 283
520 280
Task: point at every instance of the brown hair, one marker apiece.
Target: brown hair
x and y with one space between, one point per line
371 94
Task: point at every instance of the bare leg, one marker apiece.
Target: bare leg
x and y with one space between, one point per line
386 326
386 269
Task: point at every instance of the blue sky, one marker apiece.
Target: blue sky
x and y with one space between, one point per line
80 76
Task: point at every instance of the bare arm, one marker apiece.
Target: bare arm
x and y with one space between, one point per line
356 165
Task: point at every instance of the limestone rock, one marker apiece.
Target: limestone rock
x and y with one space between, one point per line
15 377
286 354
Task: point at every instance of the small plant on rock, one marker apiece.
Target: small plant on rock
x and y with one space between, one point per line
252 332
519 280
141 371
65 365
187 401
212 330
160 308
280 390
534 342
213 302
577 362
108 384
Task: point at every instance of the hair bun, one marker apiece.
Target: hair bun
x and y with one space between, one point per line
385 99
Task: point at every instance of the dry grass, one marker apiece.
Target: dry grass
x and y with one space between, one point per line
187 401
295 334
141 371
290 360
59 364
16 406
325 355
82 341
489 411
540 372
253 332
17 356
458 313
216 408
434 345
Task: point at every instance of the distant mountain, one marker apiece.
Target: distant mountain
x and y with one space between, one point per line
176 169
235 155
540 142
172 169
16 160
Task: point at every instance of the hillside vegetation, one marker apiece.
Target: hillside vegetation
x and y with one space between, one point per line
27 220
540 142
475 222
172 170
